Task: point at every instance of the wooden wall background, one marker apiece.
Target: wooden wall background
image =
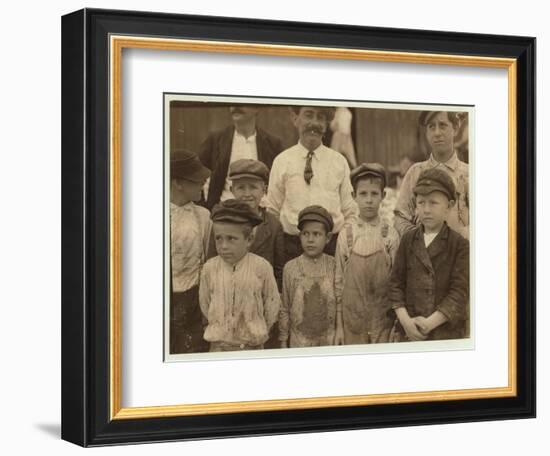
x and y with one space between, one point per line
380 135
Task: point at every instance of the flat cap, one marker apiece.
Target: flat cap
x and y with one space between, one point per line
246 167
435 180
315 214
185 164
233 211
368 169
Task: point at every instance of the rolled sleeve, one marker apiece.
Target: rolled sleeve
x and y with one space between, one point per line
350 210
276 188
405 207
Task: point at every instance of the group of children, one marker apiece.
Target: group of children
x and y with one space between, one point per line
377 288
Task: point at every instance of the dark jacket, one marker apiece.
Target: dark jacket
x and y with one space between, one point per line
435 278
268 243
215 153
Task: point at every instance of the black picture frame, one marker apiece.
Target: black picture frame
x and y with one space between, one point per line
86 355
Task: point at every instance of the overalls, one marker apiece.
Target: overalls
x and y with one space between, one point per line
364 304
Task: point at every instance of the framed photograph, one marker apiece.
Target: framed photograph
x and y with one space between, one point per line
274 227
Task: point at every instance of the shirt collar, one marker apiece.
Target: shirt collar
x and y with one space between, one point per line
238 265
186 207
444 231
362 222
242 138
451 163
304 151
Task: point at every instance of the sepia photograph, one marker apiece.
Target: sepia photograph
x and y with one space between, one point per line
314 224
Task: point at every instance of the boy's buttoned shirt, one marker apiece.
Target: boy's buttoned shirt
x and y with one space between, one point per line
241 302
330 187
190 227
405 208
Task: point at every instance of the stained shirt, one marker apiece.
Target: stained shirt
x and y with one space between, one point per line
190 227
366 238
405 208
288 193
241 302
308 311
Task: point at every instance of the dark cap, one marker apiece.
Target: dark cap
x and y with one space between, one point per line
185 164
435 180
247 167
315 214
233 211
368 169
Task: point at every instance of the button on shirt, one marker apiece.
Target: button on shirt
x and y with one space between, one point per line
330 187
241 302
190 227
241 148
405 208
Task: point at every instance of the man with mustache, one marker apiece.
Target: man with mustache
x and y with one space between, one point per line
310 173
441 128
241 140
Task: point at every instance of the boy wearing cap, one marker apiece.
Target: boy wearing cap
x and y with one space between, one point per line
190 227
248 184
308 312
364 256
429 284
238 292
441 128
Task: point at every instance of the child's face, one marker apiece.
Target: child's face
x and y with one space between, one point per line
189 191
231 242
314 238
368 196
433 209
249 191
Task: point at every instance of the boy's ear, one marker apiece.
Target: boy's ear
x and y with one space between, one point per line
353 194
329 237
251 239
451 203
383 194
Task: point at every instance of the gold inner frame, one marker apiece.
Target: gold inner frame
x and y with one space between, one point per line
117 44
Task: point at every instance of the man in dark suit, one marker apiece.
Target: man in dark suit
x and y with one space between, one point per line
241 140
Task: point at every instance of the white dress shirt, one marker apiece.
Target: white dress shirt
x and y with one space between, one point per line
288 193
